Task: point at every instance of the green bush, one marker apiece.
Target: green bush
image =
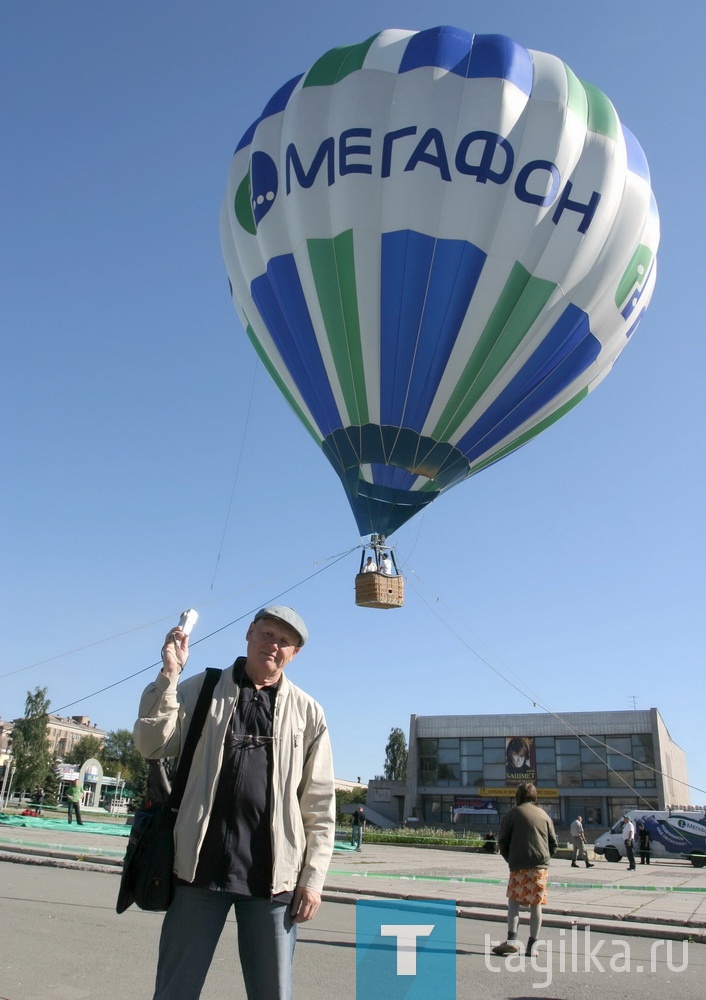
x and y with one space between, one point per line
424 835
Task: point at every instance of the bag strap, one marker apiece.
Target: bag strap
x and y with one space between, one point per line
192 737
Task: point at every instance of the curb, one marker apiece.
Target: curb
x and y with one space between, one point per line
598 922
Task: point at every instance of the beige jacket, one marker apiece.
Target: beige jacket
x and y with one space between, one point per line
303 796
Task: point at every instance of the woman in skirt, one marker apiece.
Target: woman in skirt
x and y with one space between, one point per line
527 841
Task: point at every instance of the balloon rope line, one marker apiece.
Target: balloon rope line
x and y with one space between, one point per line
237 471
537 703
234 594
331 562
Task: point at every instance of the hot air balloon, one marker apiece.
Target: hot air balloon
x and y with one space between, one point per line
438 243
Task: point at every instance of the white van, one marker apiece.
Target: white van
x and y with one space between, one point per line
673 834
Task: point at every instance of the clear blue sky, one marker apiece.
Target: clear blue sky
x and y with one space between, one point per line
133 403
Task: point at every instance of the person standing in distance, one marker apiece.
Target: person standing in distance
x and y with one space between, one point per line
629 841
527 841
74 795
256 825
578 840
358 828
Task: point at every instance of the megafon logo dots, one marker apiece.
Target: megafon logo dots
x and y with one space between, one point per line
256 192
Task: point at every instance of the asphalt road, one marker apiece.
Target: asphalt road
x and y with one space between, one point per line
61 939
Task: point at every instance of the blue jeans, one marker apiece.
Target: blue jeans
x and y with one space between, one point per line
190 932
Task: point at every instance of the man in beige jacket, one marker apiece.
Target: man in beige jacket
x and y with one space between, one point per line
255 829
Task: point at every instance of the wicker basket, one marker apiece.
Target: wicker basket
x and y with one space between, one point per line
376 590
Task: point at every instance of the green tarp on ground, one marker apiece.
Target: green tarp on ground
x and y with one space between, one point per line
44 823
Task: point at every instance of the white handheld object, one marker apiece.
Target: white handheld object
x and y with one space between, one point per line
188 620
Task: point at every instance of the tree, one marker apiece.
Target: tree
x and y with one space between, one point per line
121 755
87 748
30 742
396 756
346 797
51 785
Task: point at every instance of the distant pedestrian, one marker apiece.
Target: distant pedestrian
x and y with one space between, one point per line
527 841
490 845
40 801
643 839
358 828
629 841
578 840
74 796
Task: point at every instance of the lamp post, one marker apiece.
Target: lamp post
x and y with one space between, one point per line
7 780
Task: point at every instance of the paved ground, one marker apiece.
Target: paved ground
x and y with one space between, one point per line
664 899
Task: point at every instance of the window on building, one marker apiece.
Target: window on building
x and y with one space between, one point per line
592 755
621 779
494 755
595 772
545 755
617 763
567 744
590 809
642 748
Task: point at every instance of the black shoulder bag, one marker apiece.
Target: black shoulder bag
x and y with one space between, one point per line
148 877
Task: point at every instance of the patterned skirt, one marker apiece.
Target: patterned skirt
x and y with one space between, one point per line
528 886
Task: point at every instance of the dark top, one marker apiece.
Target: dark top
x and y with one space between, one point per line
236 855
358 817
526 838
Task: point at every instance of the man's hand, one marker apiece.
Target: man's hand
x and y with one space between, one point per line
175 652
305 904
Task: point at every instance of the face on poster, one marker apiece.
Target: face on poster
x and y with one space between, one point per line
520 760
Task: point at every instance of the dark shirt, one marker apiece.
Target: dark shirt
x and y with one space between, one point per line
526 838
236 855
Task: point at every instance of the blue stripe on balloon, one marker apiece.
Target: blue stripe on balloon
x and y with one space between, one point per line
637 161
636 295
568 350
471 56
426 286
279 298
501 57
444 47
392 477
278 102
634 325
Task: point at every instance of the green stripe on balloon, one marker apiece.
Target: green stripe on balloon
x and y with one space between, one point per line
635 274
338 63
519 305
281 385
532 432
601 113
333 268
242 204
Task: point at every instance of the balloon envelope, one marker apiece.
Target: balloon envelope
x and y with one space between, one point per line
438 243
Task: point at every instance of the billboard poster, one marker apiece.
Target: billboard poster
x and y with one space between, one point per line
520 760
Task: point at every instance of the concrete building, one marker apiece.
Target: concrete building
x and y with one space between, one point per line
64 733
464 769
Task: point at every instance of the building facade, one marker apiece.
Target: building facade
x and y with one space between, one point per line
65 733
464 769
